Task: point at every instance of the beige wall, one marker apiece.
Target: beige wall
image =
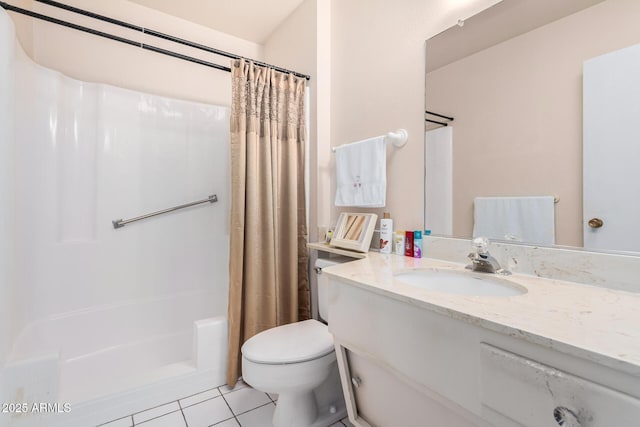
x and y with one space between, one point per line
377 75
23 26
91 58
518 113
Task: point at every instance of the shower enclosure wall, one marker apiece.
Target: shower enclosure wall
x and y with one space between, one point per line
108 320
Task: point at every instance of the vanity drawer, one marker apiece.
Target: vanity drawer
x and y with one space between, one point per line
516 391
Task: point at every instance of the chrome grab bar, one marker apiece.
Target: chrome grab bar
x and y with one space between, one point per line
119 223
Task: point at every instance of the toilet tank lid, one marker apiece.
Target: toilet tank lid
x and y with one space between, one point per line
292 343
328 262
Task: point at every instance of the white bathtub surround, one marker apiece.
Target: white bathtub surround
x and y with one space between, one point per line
112 310
8 327
208 354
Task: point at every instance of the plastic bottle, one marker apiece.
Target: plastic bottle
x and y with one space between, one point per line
386 233
425 234
408 243
398 242
417 244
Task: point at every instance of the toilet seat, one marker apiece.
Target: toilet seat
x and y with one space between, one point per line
293 343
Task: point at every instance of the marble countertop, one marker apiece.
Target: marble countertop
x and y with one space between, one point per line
597 324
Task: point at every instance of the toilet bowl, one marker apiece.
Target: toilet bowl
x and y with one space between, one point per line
298 363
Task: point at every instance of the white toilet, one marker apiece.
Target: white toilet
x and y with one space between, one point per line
298 363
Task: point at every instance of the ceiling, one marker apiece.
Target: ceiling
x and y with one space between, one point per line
252 20
501 22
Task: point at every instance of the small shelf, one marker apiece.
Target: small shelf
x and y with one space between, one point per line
325 247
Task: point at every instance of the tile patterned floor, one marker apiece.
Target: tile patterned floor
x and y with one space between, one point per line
241 406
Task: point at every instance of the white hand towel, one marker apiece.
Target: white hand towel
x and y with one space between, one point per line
524 219
361 173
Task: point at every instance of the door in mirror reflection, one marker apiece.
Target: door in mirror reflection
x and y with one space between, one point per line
611 151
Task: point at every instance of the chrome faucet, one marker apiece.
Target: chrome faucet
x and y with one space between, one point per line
481 259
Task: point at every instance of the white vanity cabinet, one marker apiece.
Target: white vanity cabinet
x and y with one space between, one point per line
404 364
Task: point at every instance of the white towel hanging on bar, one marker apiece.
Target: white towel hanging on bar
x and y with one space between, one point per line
361 173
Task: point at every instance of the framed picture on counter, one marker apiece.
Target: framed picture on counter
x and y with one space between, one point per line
354 231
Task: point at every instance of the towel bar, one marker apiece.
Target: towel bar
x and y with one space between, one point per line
398 138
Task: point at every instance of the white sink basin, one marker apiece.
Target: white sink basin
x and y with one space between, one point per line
461 282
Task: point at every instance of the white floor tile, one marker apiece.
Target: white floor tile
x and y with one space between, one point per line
200 397
206 413
229 423
174 419
260 417
273 396
246 399
122 422
155 412
226 389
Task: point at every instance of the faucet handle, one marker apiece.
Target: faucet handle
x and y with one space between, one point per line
480 245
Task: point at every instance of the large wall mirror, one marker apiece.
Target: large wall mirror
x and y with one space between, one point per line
533 125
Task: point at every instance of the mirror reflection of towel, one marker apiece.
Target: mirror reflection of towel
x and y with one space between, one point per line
524 219
361 173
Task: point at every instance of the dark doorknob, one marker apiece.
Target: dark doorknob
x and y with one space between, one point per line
595 223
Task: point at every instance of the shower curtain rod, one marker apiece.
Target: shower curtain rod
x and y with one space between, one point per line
438 122
427 112
142 30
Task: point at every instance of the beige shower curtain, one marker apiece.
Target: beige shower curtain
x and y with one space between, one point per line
268 278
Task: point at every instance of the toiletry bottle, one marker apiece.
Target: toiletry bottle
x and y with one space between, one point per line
398 242
408 243
328 235
386 233
422 248
417 244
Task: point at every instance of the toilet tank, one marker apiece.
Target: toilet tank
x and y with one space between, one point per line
323 282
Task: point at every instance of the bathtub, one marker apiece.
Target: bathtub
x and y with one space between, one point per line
99 323
110 361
